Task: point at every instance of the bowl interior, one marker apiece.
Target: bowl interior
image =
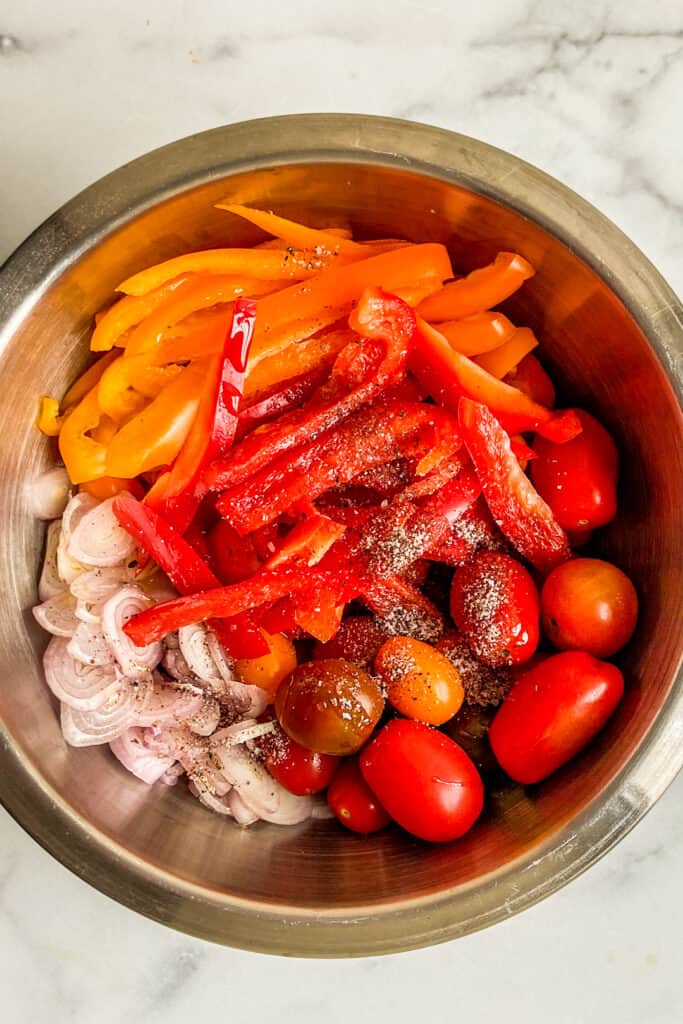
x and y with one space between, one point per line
604 363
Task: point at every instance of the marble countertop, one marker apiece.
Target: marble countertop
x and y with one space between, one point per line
589 91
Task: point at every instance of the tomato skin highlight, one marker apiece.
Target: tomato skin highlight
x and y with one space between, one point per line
578 479
552 712
424 780
495 605
589 605
299 770
353 802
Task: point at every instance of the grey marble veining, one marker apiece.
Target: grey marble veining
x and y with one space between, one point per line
591 92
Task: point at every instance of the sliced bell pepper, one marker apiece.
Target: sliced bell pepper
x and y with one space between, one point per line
449 376
380 433
128 385
276 265
474 530
129 312
109 487
280 617
520 512
87 381
479 333
359 374
319 613
186 570
479 291
504 359
154 436
306 542
403 609
281 399
48 420
84 457
297 235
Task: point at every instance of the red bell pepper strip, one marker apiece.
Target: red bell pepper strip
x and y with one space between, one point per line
519 511
371 437
188 573
306 542
319 613
403 608
222 602
473 531
360 373
449 376
215 424
280 617
282 399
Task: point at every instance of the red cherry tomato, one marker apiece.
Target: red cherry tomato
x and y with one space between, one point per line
589 605
234 557
424 780
552 711
530 377
353 802
299 770
494 604
358 639
578 479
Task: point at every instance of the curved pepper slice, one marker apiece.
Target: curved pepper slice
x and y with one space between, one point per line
360 367
294 234
503 360
88 379
520 512
480 290
127 385
477 334
449 376
84 457
48 420
371 437
129 312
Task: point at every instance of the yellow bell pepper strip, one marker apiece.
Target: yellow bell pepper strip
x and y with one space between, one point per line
263 264
479 291
84 457
105 430
449 376
154 436
83 384
129 312
504 359
195 294
127 385
48 420
297 235
479 333
110 486
302 309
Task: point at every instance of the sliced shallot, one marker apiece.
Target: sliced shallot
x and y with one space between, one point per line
89 646
242 814
253 699
50 582
130 750
98 539
116 612
57 615
155 703
83 687
205 721
48 494
77 507
194 647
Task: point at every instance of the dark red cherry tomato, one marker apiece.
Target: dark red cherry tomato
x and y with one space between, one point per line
494 604
358 639
424 780
551 712
578 479
589 605
299 770
353 802
233 557
530 377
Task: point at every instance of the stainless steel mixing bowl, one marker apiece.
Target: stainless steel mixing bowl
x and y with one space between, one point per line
612 330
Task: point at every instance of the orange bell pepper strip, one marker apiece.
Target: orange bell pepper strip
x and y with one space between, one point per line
129 312
297 235
479 333
87 381
263 264
301 310
127 385
449 376
195 294
479 291
84 457
154 436
48 420
110 486
504 359
303 357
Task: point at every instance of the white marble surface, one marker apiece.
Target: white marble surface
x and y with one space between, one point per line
590 91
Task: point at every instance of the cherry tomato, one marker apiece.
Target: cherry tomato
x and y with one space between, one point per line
299 770
530 377
234 557
329 706
589 605
270 669
470 729
494 604
578 479
552 711
421 682
353 802
358 639
424 780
